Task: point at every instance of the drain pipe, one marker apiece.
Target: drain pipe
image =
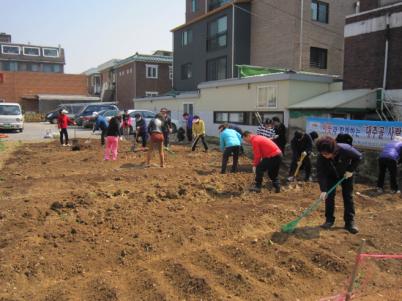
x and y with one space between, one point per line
384 82
301 36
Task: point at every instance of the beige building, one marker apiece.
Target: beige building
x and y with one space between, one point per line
277 33
236 100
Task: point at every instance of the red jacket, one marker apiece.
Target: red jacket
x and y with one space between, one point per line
63 121
263 148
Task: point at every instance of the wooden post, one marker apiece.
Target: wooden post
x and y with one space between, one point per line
354 272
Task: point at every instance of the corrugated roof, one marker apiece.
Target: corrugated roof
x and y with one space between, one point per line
146 58
332 100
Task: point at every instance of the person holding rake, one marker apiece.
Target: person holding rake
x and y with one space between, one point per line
337 161
302 146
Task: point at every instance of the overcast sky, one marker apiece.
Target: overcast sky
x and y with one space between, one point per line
93 31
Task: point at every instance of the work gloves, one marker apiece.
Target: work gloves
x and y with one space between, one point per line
254 169
304 154
348 175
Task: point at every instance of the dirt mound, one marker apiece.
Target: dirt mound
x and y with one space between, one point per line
77 228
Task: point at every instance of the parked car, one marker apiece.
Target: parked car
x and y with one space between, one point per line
11 116
72 110
86 113
148 115
108 114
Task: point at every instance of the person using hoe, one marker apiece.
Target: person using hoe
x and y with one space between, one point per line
155 129
100 124
267 157
302 146
198 133
62 123
230 142
337 161
389 158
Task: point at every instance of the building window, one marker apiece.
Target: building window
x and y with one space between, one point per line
151 94
10 66
186 37
6 49
188 108
33 67
50 52
230 117
217 69
318 57
266 97
217 34
213 4
152 71
170 72
186 71
319 11
194 5
31 51
244 118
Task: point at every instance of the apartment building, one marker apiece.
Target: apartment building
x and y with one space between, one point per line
142 75
373 46
17 57
304 35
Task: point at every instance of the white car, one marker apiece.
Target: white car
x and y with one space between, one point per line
11 116
149 115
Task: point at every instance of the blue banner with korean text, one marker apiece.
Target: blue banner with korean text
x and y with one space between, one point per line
365 133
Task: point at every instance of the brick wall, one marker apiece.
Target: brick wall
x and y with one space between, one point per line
125 88
18 84
200 10
161 85
275 34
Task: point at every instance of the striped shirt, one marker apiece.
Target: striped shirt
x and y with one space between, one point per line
263 131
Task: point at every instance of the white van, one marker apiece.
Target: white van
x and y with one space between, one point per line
11 116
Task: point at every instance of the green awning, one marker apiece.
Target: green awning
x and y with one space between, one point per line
246 70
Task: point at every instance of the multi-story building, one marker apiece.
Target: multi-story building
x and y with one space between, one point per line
373 50
102 80
143 75
304 35
16 57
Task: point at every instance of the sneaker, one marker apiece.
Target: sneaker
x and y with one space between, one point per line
290 179
396 192
255 189
380 190
327 225
68 144
352 228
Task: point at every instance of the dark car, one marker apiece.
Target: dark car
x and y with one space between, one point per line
87 111
72 110
108 114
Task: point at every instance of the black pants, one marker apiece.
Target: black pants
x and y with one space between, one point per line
63 133
166 139
189 133
143 136
306 165
272 166
103 135
202 137
348 204
392 166
232 150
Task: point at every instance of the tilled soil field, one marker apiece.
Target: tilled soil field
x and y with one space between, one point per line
74 227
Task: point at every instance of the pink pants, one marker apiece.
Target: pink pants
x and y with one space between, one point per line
112 143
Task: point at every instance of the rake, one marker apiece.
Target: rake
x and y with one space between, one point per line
290 227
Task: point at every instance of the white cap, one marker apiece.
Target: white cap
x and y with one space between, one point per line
95 114
64 111
398 138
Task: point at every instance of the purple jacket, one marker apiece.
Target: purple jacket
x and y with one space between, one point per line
392 150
